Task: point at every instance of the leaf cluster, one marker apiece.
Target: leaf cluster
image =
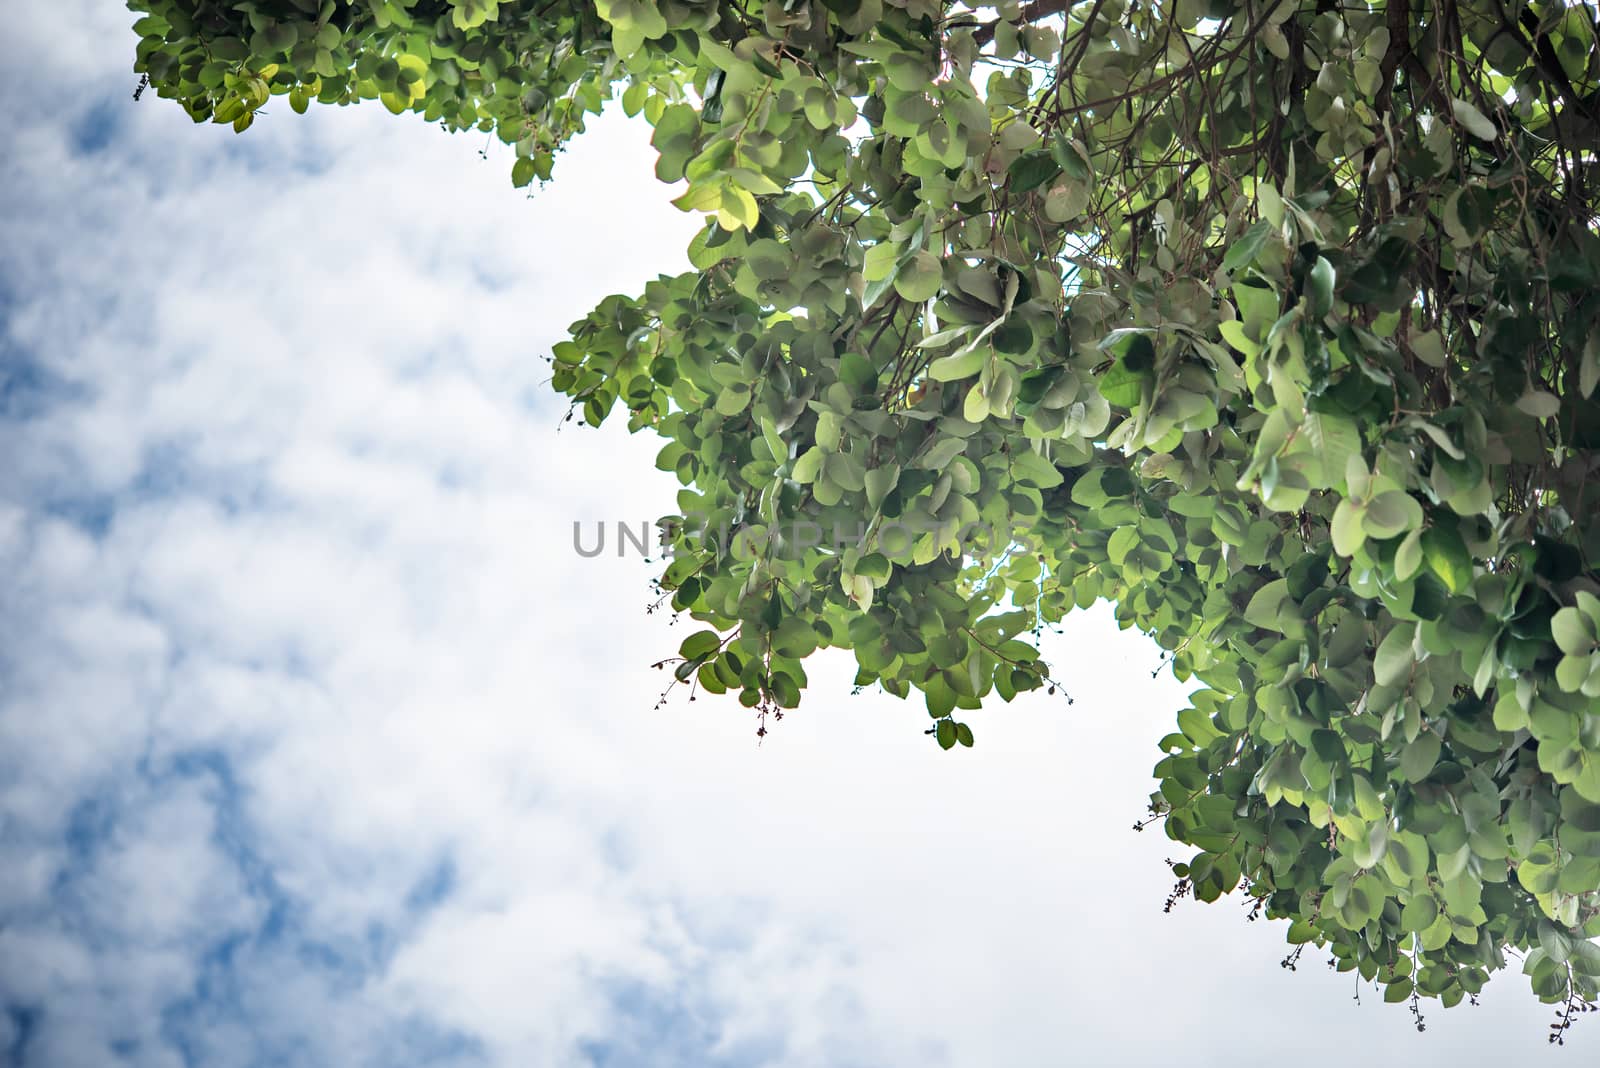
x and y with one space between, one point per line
1272 323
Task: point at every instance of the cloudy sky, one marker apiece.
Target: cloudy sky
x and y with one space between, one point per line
319 745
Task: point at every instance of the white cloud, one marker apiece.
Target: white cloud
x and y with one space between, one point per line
320 746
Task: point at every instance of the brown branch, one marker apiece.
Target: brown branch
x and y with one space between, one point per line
1398 22
1031 13
1549 64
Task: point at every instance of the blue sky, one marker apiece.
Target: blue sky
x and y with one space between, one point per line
320 746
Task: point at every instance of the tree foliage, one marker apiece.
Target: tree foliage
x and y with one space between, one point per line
1274 324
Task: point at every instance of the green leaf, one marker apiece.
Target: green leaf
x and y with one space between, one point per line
1393 661
1572 671
1587 782
1397 991
1348 527
919 278
1419 913
785 691
1032 169
880 261
857 373
975 406
879 482
1573 631
1428 348
1508 713
1069 157
1334 439
875 566
1032 469
1233 332
773 441
1390 513
1472 120
1244 250
1262 611
1066 201
794 638
1124 382
1589 365
957 365
1539 404
1448 557
808 465
699 644
733 399
1589 605
1419 756
1555 944
945 337
1408 557
1319 287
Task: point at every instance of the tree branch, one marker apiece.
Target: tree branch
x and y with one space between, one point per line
1031 13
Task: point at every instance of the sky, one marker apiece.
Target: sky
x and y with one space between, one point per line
320 745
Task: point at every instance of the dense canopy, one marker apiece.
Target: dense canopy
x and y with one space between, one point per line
1274 324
